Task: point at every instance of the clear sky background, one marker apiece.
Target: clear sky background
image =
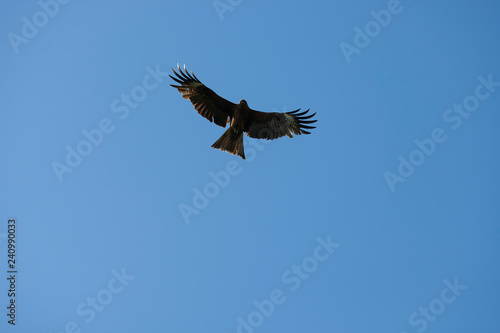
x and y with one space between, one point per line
319 233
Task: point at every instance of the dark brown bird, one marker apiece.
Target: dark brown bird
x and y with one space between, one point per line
242 119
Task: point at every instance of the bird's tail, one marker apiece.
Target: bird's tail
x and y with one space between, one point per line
232 142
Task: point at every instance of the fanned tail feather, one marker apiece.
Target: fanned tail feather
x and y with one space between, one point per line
232 142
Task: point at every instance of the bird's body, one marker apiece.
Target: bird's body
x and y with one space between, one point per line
240 116
242 119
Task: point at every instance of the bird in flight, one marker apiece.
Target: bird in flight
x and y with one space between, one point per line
242 119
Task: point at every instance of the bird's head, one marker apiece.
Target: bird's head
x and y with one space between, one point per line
243 102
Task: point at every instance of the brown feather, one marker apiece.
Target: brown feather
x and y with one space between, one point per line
256 124
208 104
273 125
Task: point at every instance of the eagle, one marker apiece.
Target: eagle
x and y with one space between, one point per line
242 119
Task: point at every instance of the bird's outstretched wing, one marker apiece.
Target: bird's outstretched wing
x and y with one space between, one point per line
272 125
205 100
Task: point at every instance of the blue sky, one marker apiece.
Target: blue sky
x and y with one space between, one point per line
384 219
